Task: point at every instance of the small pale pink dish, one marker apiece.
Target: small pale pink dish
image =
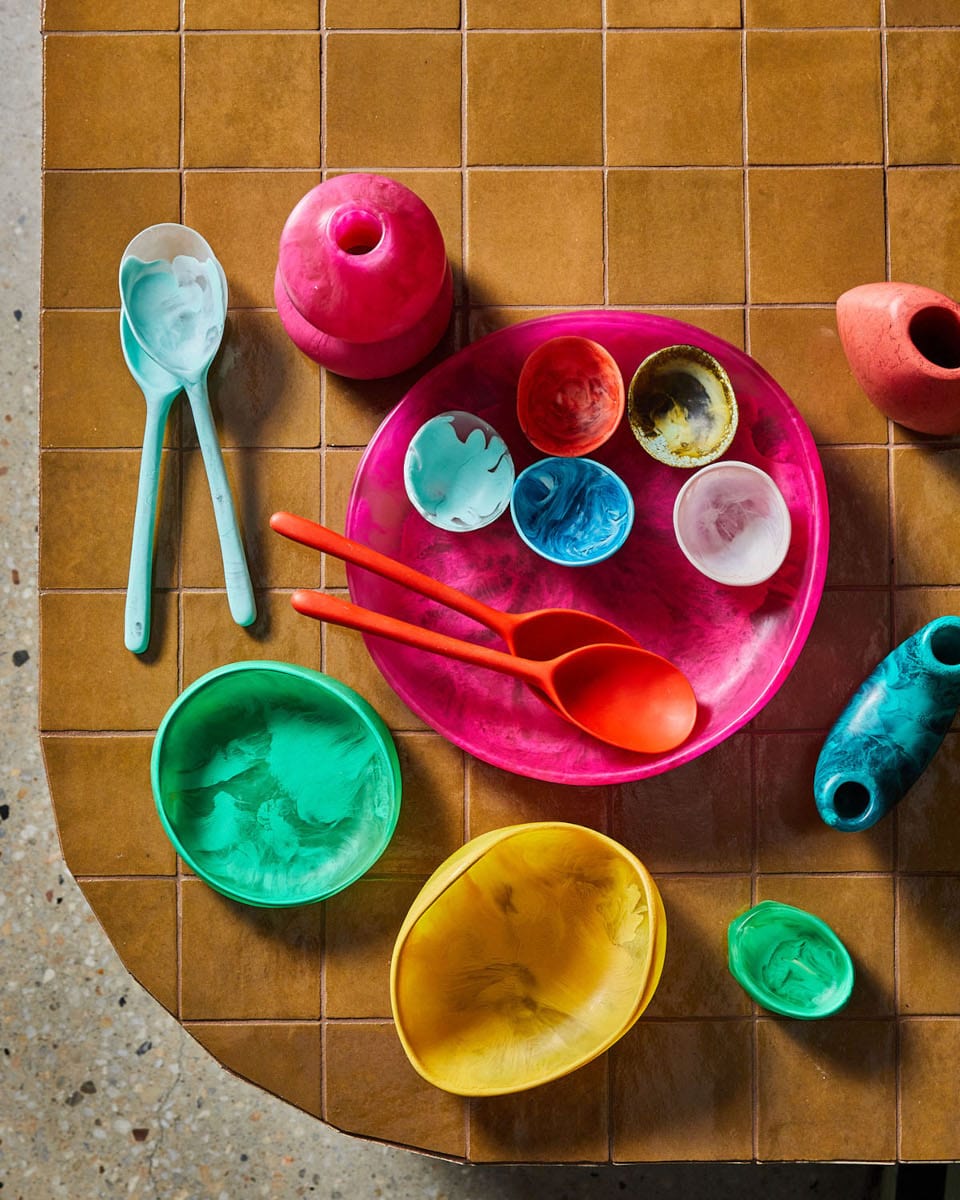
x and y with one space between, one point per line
570 396
732 523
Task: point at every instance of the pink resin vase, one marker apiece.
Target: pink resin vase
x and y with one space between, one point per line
902 342
363 285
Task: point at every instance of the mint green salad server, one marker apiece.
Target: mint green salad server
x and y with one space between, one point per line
173 294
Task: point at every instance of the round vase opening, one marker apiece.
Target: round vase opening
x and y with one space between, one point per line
945 645
851 800
356 230
935 331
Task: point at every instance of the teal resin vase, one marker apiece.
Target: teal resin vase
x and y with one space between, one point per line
891 729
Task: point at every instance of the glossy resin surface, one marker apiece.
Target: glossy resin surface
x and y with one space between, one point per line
891 729
735 646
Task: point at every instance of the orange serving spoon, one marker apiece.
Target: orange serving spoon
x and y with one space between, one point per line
542 634
623 695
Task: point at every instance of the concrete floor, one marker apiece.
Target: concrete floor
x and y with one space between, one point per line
87 1056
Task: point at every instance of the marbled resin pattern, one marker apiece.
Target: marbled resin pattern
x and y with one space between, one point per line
527 953
789 961
458 472
890 730
734 645
276 787
572 511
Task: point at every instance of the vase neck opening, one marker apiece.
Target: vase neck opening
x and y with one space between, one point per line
356 230
852 802
945 644
935 332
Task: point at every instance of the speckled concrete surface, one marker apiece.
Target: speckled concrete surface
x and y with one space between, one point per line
101 1092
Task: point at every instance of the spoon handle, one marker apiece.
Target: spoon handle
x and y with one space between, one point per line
309 533
136 616
236 574
322 607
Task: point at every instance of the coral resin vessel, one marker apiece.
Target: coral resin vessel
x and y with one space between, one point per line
902 342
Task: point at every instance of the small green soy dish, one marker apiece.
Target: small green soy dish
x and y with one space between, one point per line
276 784
789 961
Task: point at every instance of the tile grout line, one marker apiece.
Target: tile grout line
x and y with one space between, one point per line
891 545
180 506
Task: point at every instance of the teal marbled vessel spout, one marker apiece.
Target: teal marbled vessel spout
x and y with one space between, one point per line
891 729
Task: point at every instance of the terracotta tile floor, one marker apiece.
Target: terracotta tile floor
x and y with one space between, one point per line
734 165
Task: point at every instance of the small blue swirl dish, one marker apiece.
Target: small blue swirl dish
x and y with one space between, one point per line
571 511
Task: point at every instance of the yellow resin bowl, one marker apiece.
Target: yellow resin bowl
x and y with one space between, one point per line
527 953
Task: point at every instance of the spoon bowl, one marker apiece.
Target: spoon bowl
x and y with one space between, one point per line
622 695
173 292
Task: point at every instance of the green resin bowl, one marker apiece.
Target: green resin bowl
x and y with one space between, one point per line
277 785
789 961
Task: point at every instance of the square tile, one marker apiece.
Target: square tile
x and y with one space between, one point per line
923 12
675 237
787 13
928 1089
656 14
696 981
353 409
914 607
928 837
858 498
790 833
122 835
801 348
281 1057
90 680
211 638
97 113
263 391
393 101
829 1085
430 826
674 98
924 91
498 798
262 482
251 100
240 962
241 214
253 14
830 84
392 14
928 930
93 15
362 925
682 1091
534 14
925 480
564 1121
139 916
923 246
694 818
80 355
347 658
505 265
372 1090
98 489
859 910
521 110
73 206
726 323
814 233
850 634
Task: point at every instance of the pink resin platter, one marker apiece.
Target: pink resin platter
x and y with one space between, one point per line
736 645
